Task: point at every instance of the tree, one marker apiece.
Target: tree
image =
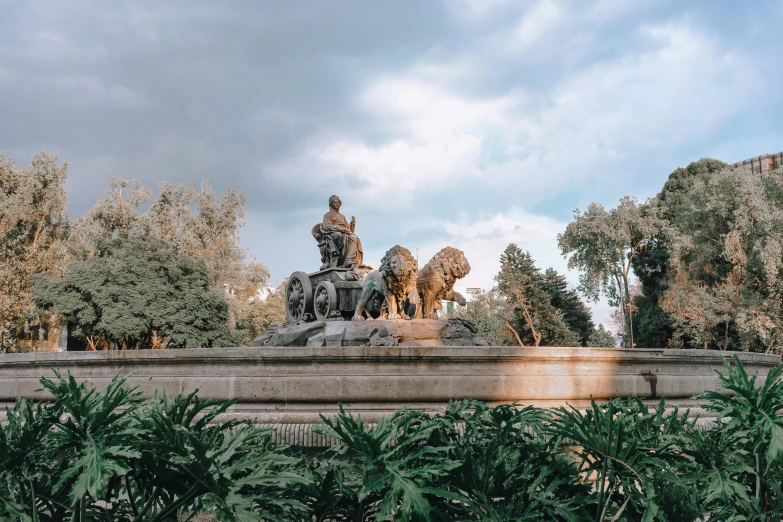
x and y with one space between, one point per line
654 327
198 222
115 214
256 313
138 292
603 245
33 226
206 226
488 311
574 312
726 270
531 317
600 338
695 310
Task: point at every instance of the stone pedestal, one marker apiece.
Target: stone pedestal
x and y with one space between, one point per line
414 332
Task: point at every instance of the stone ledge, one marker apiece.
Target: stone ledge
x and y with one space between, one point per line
286 354
289 382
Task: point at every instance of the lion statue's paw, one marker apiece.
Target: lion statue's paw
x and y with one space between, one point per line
357 318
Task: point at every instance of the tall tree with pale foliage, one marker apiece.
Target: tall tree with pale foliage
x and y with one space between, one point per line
653 326
602 245
33 225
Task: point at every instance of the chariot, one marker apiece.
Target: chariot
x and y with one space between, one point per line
329 294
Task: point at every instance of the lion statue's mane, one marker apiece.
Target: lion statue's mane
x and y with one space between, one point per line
436 280
397 285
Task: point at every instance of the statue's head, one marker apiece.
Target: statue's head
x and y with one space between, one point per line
399 264
335 203
452 261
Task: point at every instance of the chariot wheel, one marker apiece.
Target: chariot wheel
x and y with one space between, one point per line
325 301
298 297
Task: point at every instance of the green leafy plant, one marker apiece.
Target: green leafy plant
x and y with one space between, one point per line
626 448
93 441
509 470
25 473
109 455
190 462
745 482
395 469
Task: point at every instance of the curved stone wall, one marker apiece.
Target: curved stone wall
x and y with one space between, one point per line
293 385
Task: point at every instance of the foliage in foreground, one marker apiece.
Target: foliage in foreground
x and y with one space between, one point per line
111 455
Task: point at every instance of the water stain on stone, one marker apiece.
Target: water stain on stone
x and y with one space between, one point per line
652 380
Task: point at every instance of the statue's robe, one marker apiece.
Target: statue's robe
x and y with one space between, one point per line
341 243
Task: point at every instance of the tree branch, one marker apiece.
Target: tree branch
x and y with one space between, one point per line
516 334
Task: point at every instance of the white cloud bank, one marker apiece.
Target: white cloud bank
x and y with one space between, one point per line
679 88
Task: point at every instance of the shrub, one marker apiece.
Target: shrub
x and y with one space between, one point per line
111 455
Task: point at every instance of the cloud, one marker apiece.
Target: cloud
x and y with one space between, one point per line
438 142
478 10
484 239
539 21
533 144
466 122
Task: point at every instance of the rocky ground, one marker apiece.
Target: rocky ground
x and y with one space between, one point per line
414 332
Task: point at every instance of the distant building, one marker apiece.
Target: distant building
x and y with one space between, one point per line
467 293
762 164
43 338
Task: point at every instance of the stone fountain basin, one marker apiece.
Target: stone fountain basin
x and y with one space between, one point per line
291 386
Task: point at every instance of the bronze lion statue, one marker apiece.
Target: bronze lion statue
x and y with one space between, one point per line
436 281
395 280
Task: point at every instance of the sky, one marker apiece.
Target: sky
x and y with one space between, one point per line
465 123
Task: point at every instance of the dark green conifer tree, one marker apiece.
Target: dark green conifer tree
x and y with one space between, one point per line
533 316
574 312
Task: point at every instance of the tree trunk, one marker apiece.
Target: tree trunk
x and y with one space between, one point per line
516 334
628 308
529 321
726 340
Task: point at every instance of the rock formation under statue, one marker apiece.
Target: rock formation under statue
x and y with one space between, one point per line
321 304
380 332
